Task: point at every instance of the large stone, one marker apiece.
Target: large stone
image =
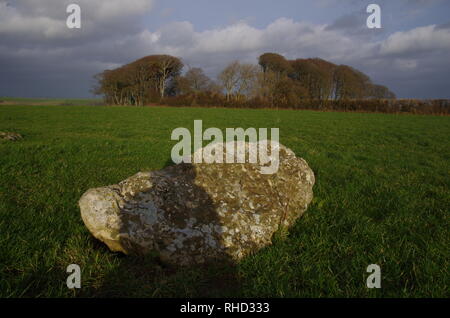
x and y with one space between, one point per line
193 213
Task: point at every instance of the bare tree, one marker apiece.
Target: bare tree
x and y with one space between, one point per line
229 78
194 81
239 79
166 66
247 79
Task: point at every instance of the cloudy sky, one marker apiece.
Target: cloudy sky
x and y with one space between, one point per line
41 57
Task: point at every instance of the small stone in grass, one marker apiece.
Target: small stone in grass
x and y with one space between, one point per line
11 136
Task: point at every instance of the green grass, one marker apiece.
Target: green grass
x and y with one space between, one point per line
382 196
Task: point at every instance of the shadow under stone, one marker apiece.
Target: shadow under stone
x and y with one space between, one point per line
150 274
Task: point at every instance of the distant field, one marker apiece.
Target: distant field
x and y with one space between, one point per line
382 197
49 101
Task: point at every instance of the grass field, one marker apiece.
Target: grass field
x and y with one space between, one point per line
382 197
9 101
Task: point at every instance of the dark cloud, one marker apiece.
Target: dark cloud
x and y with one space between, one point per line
40 57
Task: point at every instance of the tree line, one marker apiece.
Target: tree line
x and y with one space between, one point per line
275 82
142 81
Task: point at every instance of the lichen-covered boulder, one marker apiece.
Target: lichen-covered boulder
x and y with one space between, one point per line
193 213
10 136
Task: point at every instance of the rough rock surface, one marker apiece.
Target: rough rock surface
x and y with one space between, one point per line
10 136
193 213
